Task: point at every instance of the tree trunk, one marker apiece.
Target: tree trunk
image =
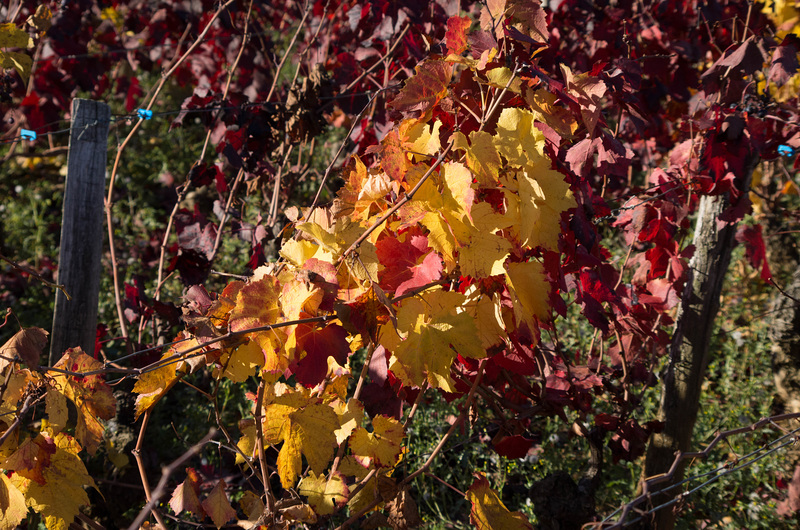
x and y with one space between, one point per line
689 353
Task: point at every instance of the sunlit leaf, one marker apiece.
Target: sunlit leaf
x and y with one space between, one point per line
21 62
13 37
488 511
324 494
304 425
90 393
62 494
382 446
434 331
425 88
12 504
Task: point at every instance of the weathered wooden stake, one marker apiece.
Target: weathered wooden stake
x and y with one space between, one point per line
75 320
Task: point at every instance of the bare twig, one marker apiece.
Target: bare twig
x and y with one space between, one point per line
191 352
262 458
28 270
277 75
137 453
161 487
121 148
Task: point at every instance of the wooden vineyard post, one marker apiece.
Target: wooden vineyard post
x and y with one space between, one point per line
75 320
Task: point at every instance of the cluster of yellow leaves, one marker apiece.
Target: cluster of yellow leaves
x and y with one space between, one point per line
474 237
258 305
42 470
480 213
311 427
785 14
13 37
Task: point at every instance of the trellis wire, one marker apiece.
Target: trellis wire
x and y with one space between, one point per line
790 438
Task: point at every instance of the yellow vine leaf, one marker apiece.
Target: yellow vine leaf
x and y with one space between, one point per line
336 382
350 467
13 37
324 495
325 239
298 252
40 20
482 156
488 316
306 427
299 513
382 446
517 139
300 297
431 324
377 488
484 253
241 362
488 511
14 391
93 398
530 291
545 109
56 408
443 208
785 14
362 195
12 504
543 195
153 384
20 62
31 458
457 192
350 418
362 265
257 305
59 499
422 140
253 507
502 77
217 506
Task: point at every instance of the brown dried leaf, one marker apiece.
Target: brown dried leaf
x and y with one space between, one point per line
27 344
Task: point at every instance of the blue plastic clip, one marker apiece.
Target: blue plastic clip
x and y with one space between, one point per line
144 114
27 135
785 150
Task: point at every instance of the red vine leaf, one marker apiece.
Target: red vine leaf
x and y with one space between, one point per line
456 34
425 89
755 250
